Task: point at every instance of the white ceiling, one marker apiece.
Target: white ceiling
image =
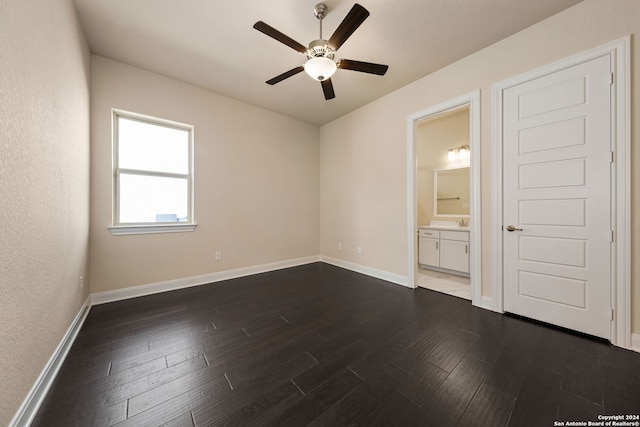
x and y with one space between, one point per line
212 44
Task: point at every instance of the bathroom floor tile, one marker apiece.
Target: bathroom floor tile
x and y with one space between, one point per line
449 284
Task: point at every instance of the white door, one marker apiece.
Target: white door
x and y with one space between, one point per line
557 198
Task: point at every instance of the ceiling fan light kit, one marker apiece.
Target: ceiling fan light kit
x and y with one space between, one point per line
320 64
320 68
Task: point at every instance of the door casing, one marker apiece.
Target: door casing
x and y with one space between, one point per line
472 99
619 53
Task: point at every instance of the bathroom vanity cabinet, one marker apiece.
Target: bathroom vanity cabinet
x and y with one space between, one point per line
444 249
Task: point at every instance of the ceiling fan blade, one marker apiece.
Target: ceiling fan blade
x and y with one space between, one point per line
286 75
327 88
349 24
364 67
282 38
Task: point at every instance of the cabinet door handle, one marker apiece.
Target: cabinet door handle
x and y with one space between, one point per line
466 249
437 245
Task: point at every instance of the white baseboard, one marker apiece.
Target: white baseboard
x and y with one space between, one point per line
635 342
38 392
379 274
171 285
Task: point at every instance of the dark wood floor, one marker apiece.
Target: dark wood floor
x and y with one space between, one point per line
318 345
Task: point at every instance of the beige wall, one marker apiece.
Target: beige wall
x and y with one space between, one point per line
44 187
433 138
364 155
256 183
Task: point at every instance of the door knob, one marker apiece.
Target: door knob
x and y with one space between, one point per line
512 228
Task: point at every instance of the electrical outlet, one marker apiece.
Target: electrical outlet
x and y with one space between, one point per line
340 246
218 255
359 249
81 281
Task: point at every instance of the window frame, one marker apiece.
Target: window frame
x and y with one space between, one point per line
117 228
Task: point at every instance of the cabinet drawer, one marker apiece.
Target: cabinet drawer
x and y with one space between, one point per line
461 236
429 233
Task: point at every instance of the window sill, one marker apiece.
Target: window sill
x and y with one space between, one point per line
123 230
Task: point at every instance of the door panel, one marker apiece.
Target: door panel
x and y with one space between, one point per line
553 97
551 250
568 133
552 174
557 160
567 212
553 289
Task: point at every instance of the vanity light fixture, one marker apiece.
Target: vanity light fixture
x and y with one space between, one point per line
456 153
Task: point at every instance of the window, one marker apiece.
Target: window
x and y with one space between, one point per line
153 175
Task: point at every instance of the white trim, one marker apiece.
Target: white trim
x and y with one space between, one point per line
29 408
187 282
472 99
620 53
125 230
171 285
372 272
496 197
117 170
635 342
487 303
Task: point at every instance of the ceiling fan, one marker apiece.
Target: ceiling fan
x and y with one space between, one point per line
320 64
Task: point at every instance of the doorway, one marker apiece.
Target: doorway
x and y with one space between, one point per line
561 194
426 162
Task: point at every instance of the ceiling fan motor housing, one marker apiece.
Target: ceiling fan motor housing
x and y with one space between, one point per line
318 48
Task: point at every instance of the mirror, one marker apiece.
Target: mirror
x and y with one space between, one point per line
452 192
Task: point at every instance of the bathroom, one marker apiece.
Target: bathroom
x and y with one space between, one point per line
442 144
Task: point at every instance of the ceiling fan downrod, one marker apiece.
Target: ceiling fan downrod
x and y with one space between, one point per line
320 48
320 10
